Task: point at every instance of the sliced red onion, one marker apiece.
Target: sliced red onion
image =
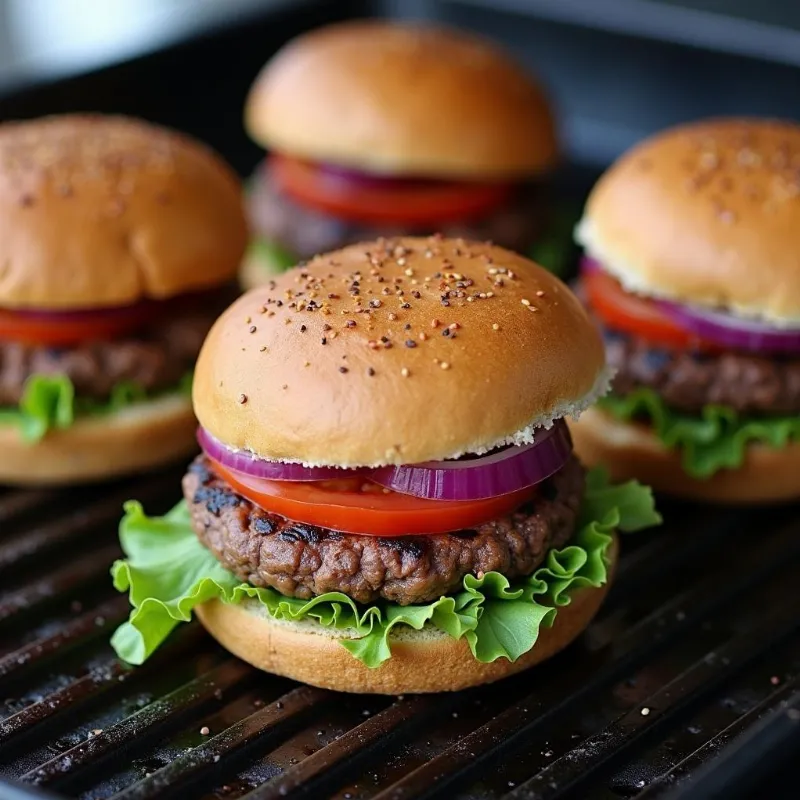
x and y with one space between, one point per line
492 475
375 179
589 264
263 468
720 327
734 332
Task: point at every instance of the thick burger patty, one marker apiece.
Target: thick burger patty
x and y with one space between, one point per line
302 561
304 232
154 359
687 380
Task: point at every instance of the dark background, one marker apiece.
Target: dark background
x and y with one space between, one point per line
617 70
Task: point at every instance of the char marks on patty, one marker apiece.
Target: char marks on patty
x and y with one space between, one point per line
303 561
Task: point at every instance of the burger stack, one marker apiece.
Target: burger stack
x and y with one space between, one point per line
693 272
119 244
378 129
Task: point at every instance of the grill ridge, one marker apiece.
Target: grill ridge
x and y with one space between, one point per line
672 637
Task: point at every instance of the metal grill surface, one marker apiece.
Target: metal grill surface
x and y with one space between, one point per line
686 685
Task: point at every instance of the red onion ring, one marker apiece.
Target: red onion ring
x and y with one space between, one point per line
734 332
263 468
356 178
720 327
496 474
590 265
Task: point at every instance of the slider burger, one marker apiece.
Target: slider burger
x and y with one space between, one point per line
387 499
693 271
379 128
116 239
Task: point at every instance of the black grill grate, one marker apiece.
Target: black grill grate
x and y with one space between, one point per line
685 686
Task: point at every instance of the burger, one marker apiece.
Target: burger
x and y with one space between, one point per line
692 269
117 242
387 499
378 128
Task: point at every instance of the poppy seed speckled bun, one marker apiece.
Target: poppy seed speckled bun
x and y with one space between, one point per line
707 213
403 99
105 211
397 352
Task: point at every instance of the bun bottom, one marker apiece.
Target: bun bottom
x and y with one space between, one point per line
97 448
422 661
631 450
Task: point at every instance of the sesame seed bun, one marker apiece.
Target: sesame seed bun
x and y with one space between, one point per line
98 448
402 99
104 211
630 450
422 661
707 213
349 384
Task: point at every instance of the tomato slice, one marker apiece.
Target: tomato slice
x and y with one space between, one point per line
69 328
353 505
379 201
626 312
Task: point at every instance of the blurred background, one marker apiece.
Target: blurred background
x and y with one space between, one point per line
616 69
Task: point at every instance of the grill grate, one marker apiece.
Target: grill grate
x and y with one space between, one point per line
687 685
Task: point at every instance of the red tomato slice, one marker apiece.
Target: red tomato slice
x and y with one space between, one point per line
62 329
626 312
377 201
354 505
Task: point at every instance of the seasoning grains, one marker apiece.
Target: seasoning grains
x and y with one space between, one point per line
449 278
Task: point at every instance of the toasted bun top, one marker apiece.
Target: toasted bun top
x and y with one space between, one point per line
707 213
345 362
103 211
401 98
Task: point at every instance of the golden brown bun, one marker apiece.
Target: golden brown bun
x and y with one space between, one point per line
103 211
707 213
265 382
422 661
97 448
633 451
401 98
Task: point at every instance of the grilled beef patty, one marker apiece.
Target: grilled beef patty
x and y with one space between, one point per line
300 560
304 231
156 358
687 380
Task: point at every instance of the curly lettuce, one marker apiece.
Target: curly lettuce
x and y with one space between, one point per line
715 439
49 403
167 572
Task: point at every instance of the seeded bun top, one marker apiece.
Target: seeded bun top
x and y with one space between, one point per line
403 99
104 211
397 352
707 213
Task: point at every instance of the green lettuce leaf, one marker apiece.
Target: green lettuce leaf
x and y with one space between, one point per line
167 572
49 402
555 249
715 439
275 259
